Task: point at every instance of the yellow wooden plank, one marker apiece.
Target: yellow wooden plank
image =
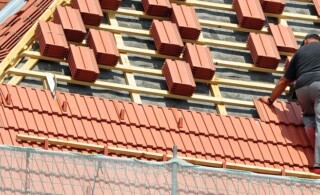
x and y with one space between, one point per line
215 91
135 89
29 65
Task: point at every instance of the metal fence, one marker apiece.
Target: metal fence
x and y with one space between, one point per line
33 171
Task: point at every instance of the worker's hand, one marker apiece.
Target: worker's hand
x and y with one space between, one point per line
265 99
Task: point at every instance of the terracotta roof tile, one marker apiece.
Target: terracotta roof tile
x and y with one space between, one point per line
157 7
202 135
187 21
91 13
263 50
284 37
249 13
317 6
280 112
273 6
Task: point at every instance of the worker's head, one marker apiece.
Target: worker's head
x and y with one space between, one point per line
310 38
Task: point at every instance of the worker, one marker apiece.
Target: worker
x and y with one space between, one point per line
304 69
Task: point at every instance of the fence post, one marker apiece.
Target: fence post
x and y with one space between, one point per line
174 190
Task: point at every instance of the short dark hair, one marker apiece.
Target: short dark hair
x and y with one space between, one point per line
310 36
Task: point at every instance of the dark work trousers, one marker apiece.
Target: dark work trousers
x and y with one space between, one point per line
309 99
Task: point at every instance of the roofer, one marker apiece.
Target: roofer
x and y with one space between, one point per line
304 69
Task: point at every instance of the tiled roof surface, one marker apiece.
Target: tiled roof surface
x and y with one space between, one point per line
151 128
3 3
14 27
277 140
289 113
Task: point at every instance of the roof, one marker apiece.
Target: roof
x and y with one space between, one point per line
151 128
220 121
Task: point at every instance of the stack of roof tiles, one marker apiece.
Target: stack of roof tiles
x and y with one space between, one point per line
284 37
83 64
263 50
71 22
200 60
187 21
273 6
178 77
110 4
52 40
166 37
249 13
317 6
90 10
157 7
201 135
14 27
104 46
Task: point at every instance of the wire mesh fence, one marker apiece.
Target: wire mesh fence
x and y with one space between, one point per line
33 171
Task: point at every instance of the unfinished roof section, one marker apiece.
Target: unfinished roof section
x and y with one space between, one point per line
142 127
141 79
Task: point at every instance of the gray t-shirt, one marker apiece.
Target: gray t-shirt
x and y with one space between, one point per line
304 66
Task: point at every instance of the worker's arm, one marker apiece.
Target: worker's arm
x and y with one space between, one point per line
277 91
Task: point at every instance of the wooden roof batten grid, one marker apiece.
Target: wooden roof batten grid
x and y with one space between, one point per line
34 57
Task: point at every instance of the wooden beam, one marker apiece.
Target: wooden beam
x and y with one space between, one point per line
215 91
129 77
135 89
148 71
86 146
29 65
157 156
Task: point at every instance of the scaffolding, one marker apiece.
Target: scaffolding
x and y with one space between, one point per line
35 171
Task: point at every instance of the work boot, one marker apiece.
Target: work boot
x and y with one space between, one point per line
311 134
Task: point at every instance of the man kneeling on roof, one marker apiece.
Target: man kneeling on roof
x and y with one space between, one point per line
304 69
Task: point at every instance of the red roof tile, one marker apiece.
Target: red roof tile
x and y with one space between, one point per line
263 50
72 23
317 6
200 61
157 7
249 13
273 6
284 37
104 46
110 4
83 64
178 77
90 10
280 112
3 3
166 37
52 40
187 21
202 135
14 27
